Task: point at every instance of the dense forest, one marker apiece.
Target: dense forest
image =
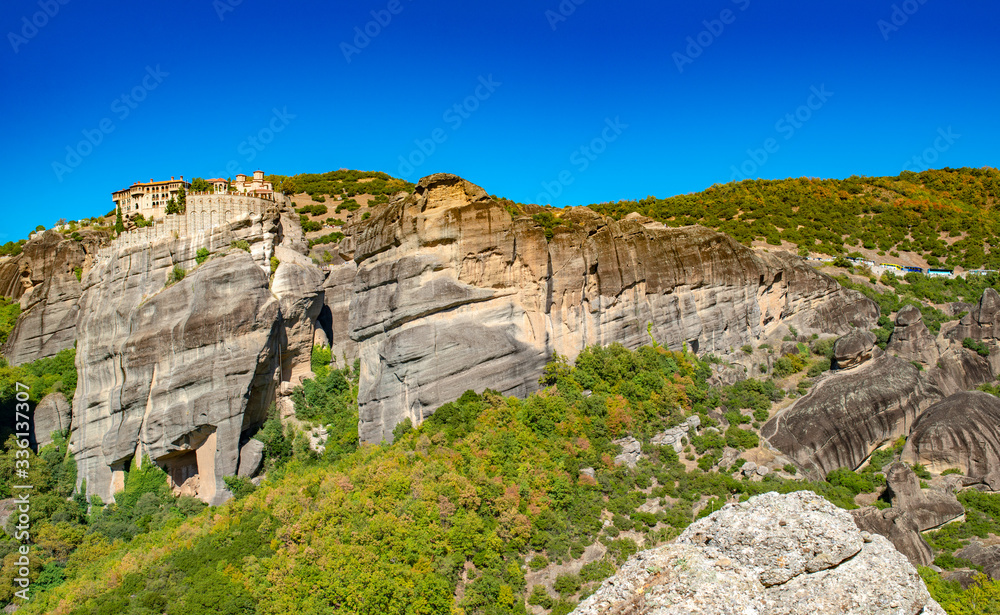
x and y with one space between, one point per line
458 515
948 217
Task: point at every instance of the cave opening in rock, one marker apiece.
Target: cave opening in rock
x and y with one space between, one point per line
325 322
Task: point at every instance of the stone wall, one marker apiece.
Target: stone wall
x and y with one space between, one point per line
203 213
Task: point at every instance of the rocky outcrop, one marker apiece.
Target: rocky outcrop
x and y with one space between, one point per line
854 349
911 339
335 316
453 292
298 285
180 373
774 554
251 459
52 414
44 279
987 556
899 528
927 508
983 322
962 431
846 416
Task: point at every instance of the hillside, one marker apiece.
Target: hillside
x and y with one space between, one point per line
493 505
946 217
277 410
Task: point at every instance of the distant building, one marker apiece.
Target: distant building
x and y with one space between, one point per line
218 185
149 199
256 186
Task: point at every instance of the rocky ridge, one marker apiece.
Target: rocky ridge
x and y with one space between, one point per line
774 554
875 398
452 291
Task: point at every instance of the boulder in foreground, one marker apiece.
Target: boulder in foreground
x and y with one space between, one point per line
774 554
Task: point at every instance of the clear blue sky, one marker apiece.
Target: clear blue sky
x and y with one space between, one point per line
180 90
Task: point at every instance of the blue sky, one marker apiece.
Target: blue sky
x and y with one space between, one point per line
563 102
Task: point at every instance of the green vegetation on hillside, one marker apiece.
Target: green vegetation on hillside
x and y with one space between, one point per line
343 182
9 313
12 248
459 506
947 216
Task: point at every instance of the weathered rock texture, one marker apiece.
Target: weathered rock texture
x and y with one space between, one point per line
911 339
928 508
452 293
42 278
846 416
963 431
854 349
52 414
180 373
987 556
775 554
899 528
983 322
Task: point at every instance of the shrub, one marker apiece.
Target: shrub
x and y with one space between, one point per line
176 275
952 471
240 486
241 244
567 584
852 481
980 347
540 597
275 263
538 562
747 349
597 571
921 472
741 438
790 469
202 255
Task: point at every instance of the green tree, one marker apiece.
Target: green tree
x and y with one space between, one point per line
198 184
119 223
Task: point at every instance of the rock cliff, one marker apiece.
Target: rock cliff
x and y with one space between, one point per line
962 431
182 372
454 292
44 279
848 414
774 554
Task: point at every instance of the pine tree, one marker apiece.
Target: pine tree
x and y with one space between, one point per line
119 223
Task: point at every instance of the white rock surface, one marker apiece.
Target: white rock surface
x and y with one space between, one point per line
793 554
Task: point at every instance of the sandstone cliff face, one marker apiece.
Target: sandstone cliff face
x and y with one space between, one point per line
180 373
452 293
42 278
775 554
962 431
848 414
